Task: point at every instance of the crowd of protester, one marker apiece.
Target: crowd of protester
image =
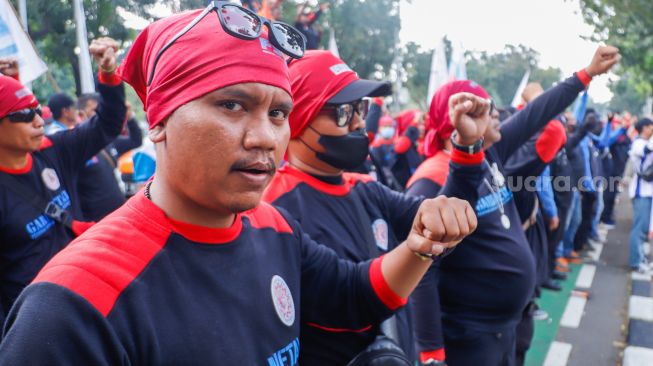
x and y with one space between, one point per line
278 202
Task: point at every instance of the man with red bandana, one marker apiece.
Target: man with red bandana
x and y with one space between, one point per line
46 167
194 270
352 214
485 285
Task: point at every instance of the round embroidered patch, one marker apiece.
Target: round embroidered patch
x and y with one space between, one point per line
282 300
50 179
380 229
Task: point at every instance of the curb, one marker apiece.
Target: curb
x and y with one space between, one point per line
639 351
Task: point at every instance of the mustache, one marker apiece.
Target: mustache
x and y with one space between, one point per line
263 164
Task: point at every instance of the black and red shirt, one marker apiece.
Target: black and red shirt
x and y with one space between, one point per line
485 284
359 219
28 237
139 288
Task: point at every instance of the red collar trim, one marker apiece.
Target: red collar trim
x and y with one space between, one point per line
26 169
197 233
332 189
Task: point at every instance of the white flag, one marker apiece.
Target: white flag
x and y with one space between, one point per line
85 70
520 89
15 43
439 70
333 47
457 65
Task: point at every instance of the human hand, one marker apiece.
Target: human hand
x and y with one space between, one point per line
441 223
8 66
604 58
554 222
104 50
470 116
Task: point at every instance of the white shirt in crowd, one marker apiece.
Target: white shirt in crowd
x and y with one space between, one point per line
641 159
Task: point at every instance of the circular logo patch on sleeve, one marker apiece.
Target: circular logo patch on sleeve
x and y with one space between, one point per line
282 300
380 229
50 179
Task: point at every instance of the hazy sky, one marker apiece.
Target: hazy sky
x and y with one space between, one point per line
551 27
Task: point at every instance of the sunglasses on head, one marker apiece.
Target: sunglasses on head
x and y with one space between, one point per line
24 115
242 23
343 114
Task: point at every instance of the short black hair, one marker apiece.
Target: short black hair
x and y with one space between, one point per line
83 99
639 126
58 102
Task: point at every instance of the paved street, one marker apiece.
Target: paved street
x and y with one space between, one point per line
594 331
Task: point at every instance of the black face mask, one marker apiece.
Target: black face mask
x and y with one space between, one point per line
343 152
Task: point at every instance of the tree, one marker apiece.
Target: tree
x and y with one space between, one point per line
629 26
501 73
628 95
52 26
417 63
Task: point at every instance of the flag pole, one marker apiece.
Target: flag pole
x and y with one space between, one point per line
87 83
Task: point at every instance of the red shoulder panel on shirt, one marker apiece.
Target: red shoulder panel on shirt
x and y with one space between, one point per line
402 144
102 262
264 216
45 143
435 169
287 178
352 178
550 141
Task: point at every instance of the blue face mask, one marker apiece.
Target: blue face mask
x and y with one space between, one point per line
387 132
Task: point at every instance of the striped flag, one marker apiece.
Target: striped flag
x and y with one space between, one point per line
15 43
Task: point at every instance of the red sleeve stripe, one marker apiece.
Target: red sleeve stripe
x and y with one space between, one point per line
339 330
111 78
584 77
463 158
402 145
437 355
380 286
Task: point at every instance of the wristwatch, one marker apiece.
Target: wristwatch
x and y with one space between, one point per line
469 149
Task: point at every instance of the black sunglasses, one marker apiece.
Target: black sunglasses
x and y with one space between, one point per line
242 23
24 115
344 113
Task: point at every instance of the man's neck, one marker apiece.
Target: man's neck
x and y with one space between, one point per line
12 159
312 169
181 208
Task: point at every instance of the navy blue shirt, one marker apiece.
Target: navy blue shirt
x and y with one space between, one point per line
30 238
350 218
140 288
485 284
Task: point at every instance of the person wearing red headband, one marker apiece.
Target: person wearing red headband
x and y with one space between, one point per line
194 269
350 213
38 172
487 283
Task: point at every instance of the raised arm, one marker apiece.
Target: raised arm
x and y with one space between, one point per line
525 123
78 145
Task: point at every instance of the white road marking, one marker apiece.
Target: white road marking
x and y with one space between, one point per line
573 312
586 276
558 354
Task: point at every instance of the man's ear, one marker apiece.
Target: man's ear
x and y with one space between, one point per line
157 133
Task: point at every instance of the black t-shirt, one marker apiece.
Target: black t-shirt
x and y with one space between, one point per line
29 238
139 288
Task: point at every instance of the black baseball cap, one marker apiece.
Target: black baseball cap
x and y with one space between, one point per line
359 89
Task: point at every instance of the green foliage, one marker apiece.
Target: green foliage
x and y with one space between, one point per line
367 34
629 26
501 73
628 94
